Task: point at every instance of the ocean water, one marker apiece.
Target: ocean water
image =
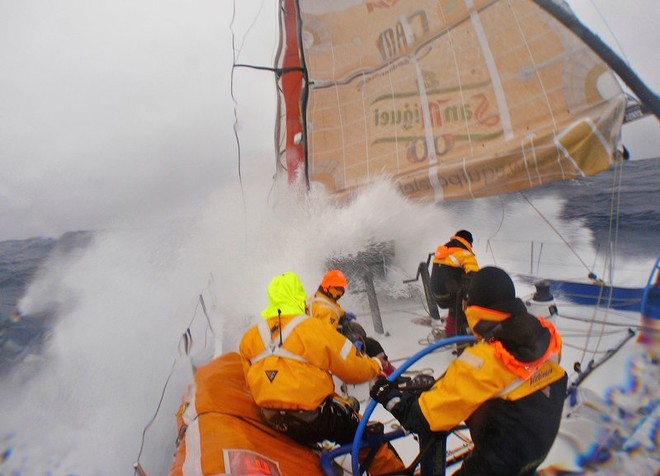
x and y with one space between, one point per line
19 262
108 309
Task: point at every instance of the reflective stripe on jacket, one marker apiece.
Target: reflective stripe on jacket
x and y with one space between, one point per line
479 375
325 309
456 257
297 374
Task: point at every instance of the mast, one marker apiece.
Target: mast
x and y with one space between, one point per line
292 79
627 75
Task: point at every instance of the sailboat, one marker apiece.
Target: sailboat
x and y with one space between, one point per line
448 100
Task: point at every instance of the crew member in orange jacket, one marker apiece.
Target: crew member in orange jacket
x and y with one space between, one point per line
324 306
451 264
288 360
509 387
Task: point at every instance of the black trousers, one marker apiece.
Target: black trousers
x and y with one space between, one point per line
333 420
354 332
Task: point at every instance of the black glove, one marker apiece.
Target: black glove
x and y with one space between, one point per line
402 405
349 316
386 393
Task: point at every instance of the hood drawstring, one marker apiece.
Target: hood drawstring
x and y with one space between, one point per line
279 320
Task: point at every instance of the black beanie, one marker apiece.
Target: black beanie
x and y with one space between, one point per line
466 235
491 287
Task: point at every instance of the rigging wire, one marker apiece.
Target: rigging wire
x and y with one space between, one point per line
580 334
185 342
249 29
235 54
592 322
499 227
607 25
570 247
612 241
608 262
615 213
592 351
137 466
627 325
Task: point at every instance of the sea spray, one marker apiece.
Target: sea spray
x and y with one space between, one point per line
126 299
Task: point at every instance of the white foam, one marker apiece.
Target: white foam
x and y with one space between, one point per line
127 298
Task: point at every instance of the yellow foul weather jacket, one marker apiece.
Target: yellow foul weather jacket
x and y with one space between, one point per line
325 309
457 257
289 360
298 374
483 372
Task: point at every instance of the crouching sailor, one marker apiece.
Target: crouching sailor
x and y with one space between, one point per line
324 305
289 359
509 387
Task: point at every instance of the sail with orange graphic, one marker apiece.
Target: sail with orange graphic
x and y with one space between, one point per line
449 99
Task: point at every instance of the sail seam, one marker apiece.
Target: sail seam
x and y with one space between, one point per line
536 68
428 134
469 135
365 124
500 98
339 118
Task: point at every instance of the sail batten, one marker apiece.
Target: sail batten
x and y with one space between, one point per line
451 99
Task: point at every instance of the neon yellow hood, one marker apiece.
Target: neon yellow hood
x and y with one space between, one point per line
286 295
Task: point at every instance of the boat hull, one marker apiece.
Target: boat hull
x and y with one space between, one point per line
224 434
595 294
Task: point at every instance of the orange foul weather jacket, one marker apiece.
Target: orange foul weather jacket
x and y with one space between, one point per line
295 373
457 257
325 309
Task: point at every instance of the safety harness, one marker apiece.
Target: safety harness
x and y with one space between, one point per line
273 345
324 300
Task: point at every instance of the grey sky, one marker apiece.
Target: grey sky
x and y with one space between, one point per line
119 112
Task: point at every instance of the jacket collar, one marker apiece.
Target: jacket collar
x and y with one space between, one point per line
464 242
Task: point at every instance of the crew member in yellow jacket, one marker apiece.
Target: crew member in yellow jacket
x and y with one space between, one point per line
289 359
452 263
324 305
509 387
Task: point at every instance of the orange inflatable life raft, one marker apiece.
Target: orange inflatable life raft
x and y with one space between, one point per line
221 433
